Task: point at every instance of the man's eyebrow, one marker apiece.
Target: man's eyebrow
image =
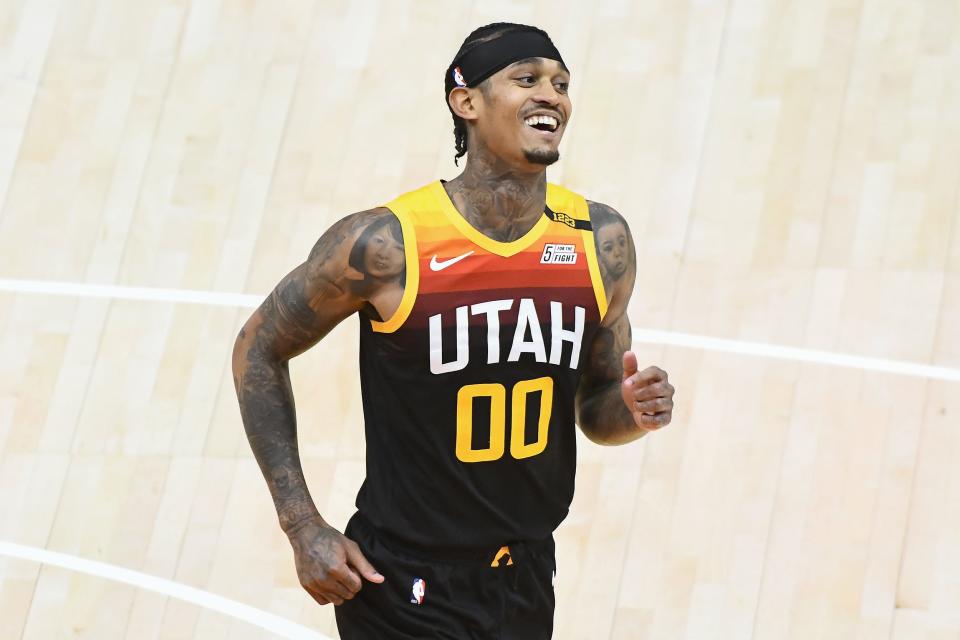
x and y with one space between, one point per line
538 62
535 61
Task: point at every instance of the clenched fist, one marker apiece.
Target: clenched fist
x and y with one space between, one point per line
647 394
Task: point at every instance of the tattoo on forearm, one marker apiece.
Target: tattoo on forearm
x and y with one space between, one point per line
602 404
296 512
269 418
606 352
306 304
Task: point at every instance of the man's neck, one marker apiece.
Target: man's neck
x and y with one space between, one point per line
497 200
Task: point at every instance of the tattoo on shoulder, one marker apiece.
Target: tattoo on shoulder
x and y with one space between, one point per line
288 318
358 256
343 234
377 263
614 244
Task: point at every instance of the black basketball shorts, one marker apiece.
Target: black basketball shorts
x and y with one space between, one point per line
497 594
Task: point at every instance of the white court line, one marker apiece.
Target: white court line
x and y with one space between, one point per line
252 615
794 353
84 290
759 349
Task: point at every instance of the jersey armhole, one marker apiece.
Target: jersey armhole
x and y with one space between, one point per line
593 264
412 283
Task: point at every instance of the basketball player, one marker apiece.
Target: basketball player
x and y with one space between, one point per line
489 325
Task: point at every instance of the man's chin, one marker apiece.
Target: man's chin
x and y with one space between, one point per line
541 156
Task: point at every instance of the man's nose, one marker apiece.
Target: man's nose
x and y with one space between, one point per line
547 93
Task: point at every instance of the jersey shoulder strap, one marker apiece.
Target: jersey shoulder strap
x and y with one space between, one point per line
567 207
573 210
412 203
407 208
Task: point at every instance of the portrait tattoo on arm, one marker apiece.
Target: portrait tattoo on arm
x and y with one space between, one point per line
614 245
378 255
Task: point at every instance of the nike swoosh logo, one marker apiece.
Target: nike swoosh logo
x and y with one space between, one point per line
439 265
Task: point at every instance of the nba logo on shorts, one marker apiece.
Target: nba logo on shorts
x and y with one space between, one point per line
418 591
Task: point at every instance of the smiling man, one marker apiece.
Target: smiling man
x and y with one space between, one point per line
490 327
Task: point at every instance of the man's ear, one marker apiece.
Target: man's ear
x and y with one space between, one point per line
461 101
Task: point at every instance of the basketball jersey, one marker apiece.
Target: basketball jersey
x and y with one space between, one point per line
468 389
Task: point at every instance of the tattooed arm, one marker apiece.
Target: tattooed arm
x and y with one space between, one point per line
309 302
616 403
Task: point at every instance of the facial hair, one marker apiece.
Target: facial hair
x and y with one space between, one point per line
541 156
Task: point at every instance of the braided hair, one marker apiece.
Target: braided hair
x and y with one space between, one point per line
478 36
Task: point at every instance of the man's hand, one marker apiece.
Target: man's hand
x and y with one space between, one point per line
330 565
647 394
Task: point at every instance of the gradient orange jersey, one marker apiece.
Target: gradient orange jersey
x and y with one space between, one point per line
468 390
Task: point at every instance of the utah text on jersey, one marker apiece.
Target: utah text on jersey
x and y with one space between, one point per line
527 335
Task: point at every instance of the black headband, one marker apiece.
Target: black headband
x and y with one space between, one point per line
485 59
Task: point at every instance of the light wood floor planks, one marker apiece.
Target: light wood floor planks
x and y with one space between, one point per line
790 171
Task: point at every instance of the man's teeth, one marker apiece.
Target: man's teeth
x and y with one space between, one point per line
550 121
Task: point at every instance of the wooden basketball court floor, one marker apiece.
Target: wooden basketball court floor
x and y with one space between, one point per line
790 171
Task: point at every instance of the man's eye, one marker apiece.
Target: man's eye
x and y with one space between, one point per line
526 78
563 86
